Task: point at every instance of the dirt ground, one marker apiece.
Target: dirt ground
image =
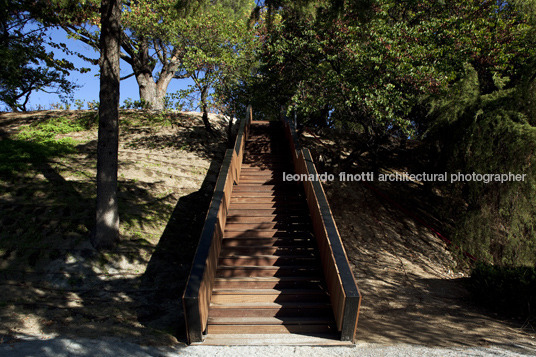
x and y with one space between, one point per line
413 293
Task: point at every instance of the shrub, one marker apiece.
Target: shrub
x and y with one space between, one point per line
507 290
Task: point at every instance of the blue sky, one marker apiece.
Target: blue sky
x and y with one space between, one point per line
89 82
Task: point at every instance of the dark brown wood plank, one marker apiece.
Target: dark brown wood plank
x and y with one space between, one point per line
256 171
267 242
268 282
267 329
284 320
267 233
231 226
242 298
269 199
264 250
280 219
301 309
249 194
280 292
249 271
268 205
277 189
266 212
267 260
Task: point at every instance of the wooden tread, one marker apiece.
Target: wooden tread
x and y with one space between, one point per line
269 329
267 282
267 260
290 320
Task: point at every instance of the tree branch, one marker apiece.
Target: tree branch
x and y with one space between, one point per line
128 76
182 76
159 52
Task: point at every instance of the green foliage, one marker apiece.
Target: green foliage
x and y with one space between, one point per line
136 104
27 67
219 51
498 226
489 134
93 105
79 103
453 106
16 155
505 289
368 73
47 131
167 39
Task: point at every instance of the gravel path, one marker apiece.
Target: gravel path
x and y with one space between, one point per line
59 347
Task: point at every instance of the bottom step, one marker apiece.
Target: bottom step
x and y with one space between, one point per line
327 339
286 320
269 329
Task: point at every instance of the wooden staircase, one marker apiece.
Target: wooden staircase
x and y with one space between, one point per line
269 277
270 259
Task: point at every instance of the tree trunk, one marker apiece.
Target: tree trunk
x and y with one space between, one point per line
147 88
204 106
153 92
107 216
161 87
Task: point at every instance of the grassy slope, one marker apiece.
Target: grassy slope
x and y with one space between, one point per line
49 272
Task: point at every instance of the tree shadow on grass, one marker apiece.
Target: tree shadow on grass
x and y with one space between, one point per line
169 267
54 282
195 139
53 278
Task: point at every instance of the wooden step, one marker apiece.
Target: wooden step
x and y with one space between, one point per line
261 139
318 293
267 205
249 153
267 212
261 181
306 238
264 194
255 296
279 188
268 260
260 175
267 163
270 250
268 166
287 309
260 155
269 242
296 282
270 329
264 160
288 226
255 174
260 271
266 233
268 218
257 170
284 320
